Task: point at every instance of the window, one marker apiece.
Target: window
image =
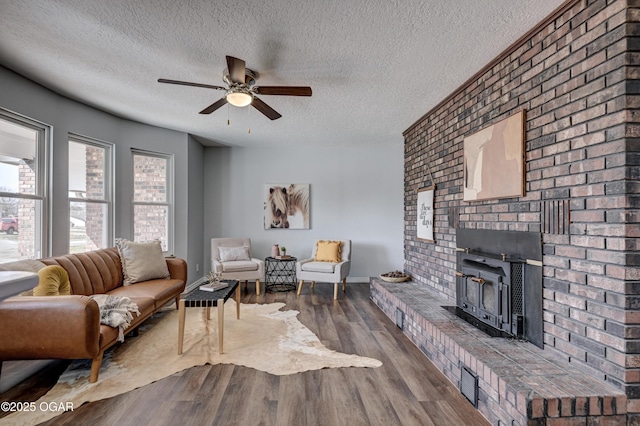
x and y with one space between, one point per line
153 198
90 194
23 187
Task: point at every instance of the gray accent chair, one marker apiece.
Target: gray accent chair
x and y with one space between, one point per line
332 272
241 270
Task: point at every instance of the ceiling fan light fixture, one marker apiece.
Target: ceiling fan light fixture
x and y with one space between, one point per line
239 99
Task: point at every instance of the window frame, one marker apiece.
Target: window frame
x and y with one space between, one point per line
43 161
109 183
170 197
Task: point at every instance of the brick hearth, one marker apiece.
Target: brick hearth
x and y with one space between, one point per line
518 383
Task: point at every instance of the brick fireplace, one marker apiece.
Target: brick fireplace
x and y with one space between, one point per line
577 75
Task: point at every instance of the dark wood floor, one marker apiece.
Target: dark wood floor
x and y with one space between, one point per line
406 390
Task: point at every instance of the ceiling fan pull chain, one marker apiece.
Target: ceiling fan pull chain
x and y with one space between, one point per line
228 120
249 119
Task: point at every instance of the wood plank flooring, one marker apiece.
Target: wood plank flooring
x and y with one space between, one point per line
406 390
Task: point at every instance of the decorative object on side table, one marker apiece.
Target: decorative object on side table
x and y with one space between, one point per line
394 277
213 282
283 250
275 250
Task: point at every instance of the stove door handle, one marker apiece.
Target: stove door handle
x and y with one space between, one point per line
460 274
478 280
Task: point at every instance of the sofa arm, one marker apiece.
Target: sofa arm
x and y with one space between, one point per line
66 327
343 268
177 268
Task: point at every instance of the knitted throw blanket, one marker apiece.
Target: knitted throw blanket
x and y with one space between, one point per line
116 311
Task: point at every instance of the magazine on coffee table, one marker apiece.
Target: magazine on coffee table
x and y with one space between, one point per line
214 287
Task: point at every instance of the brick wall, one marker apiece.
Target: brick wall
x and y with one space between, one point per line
27 211
150 221
576 76
95 186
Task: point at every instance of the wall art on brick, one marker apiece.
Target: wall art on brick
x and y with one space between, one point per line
494 160
424 215
286 206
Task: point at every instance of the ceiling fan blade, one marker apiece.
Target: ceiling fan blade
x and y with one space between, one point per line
283 90
214 106
265 109
236 69
186 83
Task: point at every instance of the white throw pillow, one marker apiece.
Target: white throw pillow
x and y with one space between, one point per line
141 261
228 254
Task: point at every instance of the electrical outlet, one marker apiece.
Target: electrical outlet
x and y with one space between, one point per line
197 267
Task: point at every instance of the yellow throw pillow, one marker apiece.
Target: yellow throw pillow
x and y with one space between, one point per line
54 281
329 251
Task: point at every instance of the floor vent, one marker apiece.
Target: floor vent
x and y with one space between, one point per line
400 319
469 386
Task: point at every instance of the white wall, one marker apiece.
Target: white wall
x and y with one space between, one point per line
25 97
355 193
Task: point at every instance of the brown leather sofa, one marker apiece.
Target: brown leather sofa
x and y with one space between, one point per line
68 327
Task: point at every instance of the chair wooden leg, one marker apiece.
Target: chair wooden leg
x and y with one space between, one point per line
95 367
246 283
258 287
344 284
335 291
300 287
178 302
313 284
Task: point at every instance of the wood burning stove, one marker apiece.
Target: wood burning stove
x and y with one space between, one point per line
500 293
490 289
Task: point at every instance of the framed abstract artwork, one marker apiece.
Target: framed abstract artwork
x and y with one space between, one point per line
286 206
424 214
494 160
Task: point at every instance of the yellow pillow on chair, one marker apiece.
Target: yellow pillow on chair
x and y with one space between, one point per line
329 251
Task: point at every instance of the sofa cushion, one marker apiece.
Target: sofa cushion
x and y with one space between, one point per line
228 254
328 251
53 281
326 267
239 266
161 291
141 261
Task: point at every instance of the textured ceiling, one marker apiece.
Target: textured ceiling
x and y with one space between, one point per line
375 66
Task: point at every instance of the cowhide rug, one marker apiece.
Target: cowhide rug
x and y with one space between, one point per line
264 338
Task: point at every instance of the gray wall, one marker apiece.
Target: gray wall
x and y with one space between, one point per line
195 210
355 193
64 115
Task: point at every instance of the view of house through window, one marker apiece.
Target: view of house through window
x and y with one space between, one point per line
153 198
90 195
22 188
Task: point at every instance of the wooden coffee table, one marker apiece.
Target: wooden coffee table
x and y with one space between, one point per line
201 299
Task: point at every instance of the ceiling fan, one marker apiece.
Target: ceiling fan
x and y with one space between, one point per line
242 90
